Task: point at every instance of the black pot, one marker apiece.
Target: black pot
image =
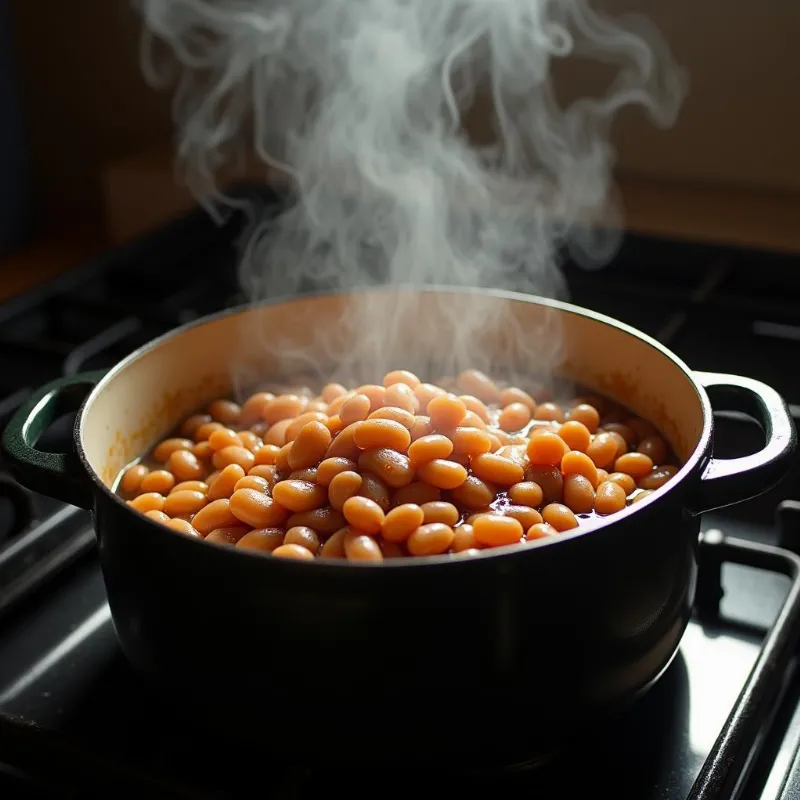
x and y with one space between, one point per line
496 655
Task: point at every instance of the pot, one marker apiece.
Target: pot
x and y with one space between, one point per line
506 651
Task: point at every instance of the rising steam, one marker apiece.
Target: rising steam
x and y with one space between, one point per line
361 102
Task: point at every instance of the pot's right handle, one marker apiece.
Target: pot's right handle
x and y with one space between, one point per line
58 475
726 481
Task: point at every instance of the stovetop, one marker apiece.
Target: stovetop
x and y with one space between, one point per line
75 722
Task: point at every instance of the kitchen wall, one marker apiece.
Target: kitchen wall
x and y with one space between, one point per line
87 105
84 97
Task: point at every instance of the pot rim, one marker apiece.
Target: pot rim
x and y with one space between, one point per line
598 524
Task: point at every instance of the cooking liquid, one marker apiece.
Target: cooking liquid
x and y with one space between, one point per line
502 499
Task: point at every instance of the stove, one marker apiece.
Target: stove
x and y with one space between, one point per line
724 720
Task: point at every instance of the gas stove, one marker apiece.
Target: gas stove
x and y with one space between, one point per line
724 720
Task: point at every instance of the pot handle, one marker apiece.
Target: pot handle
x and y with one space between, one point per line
58 475
726 481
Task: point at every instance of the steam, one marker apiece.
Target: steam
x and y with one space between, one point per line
361 104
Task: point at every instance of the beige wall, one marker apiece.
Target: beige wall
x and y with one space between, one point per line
741 121
87 104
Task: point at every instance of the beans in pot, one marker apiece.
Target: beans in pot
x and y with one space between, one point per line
400 468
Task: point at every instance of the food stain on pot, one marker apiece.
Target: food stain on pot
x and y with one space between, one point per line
153 422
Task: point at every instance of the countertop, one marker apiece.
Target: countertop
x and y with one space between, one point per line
56 250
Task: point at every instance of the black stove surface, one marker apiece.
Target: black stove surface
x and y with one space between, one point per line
73 713
75 722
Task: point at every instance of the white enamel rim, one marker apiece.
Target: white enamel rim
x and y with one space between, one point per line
600 527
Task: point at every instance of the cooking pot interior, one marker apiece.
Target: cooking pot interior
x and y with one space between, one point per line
144 398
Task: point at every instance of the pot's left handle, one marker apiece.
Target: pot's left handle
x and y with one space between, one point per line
726 481
58 475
